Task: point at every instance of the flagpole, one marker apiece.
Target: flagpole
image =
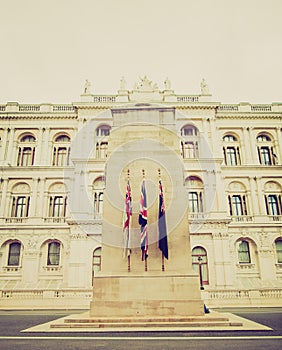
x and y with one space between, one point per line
163 264
128 255
145 259
162 225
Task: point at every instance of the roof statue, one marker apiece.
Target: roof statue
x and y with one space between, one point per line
87 85
204 88
122 84
167 84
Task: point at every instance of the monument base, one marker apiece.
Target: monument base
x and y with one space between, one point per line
146 296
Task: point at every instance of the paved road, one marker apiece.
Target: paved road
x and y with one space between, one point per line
12 322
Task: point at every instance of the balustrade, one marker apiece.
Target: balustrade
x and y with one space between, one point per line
261 108
29 108
104 99
187 98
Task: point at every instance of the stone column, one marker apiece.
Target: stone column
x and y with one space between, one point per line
38 151
247 156
33 199
4 200
254 196
278 146
4 145
10 146
252 143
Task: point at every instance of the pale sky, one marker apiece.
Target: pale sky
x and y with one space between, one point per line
48 48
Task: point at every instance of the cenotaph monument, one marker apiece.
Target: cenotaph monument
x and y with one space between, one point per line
144 148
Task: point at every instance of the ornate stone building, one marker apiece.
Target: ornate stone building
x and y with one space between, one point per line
53 162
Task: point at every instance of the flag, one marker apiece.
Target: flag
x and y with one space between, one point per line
143 222
162 224
126 221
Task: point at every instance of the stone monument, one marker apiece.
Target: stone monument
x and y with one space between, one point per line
144 147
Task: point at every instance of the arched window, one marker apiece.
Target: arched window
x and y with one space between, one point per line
98 195
231 150
195 189
272 197
278 248
243 248
26 150
189 130
266 152
14 254
57 200
20 200
97 261
237 200
190 142
61 150
200 264
53 256
103 130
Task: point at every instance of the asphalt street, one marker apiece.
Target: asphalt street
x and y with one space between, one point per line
13 322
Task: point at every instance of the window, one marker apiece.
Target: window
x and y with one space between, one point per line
101 150
53 257
98 194
20 206
237 205
244 256
200 264
57 206
195 188
265 147
103 130
61 151
189 130
190 142
14 254
231 150
195 202
97 259
278 248
189 149
273 204
26 151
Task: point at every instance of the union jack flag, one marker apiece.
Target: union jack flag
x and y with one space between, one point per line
126 220
143 222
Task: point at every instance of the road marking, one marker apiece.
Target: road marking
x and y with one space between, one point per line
140 338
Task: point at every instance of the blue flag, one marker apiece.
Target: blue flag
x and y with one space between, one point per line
163 246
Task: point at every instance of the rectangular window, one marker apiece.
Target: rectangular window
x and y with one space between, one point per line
244 253
231 156
20 206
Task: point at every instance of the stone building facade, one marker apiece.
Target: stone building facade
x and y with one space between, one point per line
53 163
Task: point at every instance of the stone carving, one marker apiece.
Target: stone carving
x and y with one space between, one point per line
204 88
146 85
87 87
122 84
32 243
167 84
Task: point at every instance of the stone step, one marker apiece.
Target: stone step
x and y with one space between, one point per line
146 325
148 320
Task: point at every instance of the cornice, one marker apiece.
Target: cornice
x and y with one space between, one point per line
272 115
37 116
